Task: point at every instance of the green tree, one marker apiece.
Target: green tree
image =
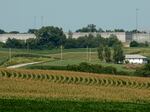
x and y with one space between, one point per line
88 28
107 54
50 36
14 32
1 44
70 34
15 43
134 44
100 51
113 40
2 31
118 54
32 31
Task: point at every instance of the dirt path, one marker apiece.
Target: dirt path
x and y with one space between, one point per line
22 65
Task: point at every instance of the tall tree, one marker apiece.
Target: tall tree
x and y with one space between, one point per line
50 36
118 55
107 54
2 31
100 51
70 34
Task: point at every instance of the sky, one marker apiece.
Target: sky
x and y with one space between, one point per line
21 15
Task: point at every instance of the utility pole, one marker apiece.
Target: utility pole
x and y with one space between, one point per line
28 47
87 53
42 21
90 55
61 52
137 10
35 18
10 53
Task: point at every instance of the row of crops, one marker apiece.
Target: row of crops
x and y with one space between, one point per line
76 78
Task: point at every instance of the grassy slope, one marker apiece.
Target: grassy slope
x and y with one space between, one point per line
70 106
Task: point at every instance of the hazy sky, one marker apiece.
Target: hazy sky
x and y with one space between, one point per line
73 14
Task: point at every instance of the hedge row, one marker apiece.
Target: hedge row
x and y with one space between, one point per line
83 67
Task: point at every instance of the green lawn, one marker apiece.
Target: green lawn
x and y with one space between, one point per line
70 56
70 106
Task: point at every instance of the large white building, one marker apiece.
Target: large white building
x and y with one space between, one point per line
136 59
4 37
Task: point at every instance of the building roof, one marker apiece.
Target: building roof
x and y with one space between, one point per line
136 56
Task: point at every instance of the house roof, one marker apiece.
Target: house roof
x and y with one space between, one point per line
136 56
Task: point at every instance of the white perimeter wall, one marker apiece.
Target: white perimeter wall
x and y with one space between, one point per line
120 35
4 37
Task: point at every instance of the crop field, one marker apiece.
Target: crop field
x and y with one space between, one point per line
72 85
22 90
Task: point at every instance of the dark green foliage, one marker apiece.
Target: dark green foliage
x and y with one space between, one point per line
7 105
32 31
113 41
31 55
2 44
2 31
144 72
107 54
88 28
48 67
118 54
50 37
100 51
136 44
14 32
14 43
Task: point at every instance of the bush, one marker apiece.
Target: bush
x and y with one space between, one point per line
31 55
83 67
144 72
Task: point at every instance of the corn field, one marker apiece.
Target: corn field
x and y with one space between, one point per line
72 85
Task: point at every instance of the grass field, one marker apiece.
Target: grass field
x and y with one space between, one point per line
62 91
70 56
69 106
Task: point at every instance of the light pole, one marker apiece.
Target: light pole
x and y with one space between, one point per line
61 52
137 14
10 54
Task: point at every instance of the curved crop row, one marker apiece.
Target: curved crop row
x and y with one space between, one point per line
70 79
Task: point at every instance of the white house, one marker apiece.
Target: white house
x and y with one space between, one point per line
136 59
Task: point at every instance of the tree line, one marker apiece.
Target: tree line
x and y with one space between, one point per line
53 37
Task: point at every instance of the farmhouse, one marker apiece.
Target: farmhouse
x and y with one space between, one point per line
136 59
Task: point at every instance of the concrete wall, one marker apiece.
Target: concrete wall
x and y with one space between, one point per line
4 37
121 35
141 37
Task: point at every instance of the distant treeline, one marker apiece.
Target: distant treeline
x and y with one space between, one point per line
88 28
53 37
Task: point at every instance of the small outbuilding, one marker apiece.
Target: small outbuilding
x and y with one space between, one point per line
136 59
